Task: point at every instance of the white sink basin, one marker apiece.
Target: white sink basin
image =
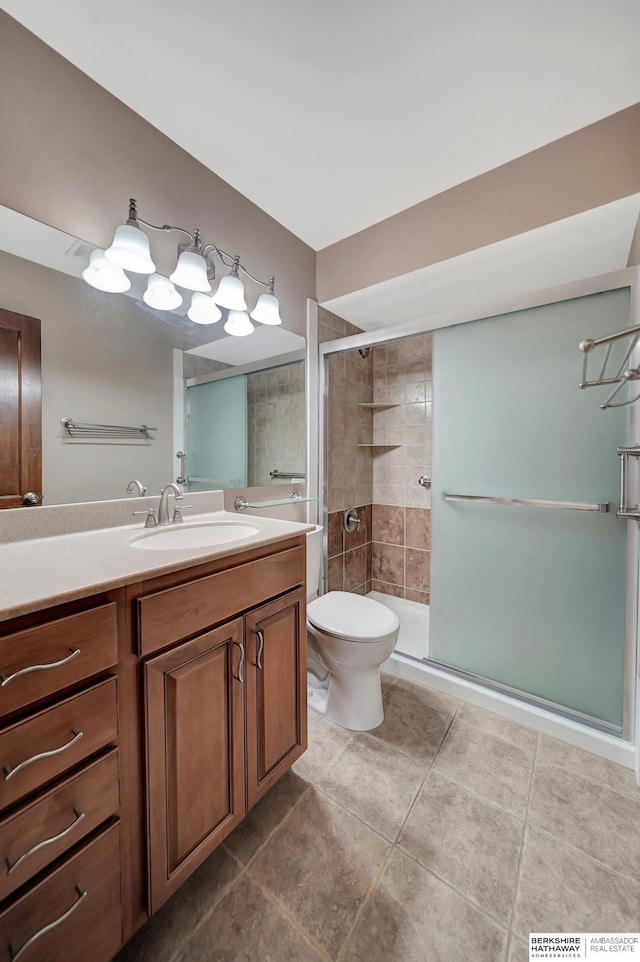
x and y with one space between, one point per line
208 534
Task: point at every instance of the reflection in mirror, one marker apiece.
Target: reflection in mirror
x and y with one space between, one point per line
110 359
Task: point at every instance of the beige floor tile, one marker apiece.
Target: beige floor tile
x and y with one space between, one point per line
518 951
325 741
165 934
467 842
601 823
438 700
493 768
247 927
414 917
589 766
563 891
496 725
320 865
411 728
258 824
374 782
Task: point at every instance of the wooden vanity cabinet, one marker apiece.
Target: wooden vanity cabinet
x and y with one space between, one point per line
60 854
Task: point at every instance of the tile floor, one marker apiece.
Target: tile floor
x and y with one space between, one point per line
445 835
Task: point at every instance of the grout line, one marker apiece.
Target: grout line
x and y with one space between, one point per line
516 888
277 828
578 851
479 797
269 895
502 738
207 915
374 885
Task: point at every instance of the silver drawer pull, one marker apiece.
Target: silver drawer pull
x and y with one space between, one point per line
240 677
12 865
15 954
10 772
260 636
6 679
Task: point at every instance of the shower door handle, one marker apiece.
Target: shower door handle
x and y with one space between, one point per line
625 511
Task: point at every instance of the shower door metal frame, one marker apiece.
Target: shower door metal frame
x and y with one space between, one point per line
628 277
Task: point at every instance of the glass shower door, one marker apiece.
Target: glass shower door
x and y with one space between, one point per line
217 434
532 598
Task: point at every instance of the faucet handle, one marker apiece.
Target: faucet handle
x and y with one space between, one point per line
151 521
177 513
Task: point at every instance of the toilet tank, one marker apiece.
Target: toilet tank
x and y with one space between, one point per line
314 560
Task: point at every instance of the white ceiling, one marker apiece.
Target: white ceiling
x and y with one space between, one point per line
334 115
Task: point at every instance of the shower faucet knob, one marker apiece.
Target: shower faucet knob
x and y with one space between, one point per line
351 521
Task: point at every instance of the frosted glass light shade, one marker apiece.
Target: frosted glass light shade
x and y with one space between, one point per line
267 310
238 324
191 272
203 310
130 250
230 294
161 294
104 275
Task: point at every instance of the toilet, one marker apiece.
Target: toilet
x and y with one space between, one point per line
348 638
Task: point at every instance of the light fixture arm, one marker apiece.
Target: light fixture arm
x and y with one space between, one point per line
235 265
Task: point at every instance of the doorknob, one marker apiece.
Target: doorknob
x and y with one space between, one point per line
31 498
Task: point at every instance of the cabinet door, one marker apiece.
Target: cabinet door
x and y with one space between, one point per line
276 690
194 702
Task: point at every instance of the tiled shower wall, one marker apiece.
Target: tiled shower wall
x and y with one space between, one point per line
401 518
275 422
383 402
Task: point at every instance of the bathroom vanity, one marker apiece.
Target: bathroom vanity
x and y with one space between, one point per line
141 717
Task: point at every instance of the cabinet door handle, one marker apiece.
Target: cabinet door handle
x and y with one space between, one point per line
260 637
14 954
12 865
6 679
10 772
240 677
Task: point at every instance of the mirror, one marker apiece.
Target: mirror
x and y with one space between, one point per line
110 359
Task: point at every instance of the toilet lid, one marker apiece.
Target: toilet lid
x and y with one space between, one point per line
352 616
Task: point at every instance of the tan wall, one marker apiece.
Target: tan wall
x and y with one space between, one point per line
72 155
588 168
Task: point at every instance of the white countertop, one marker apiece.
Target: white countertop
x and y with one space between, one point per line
43 572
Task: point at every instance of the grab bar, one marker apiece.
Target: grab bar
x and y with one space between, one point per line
602 507
287 474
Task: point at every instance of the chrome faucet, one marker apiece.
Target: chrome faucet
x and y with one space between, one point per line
163 507
138 485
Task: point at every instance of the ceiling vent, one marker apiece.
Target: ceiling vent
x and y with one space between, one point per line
80 249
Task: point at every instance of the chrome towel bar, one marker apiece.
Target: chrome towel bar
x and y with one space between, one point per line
287 474
602 507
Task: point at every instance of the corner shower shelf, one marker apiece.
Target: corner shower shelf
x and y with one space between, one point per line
377 404
379 445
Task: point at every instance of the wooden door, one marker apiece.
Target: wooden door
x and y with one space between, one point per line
276 690
194 704
20 410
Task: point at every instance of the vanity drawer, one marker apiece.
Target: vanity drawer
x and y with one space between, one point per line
40 832
40 661
176 613
43 746
74 914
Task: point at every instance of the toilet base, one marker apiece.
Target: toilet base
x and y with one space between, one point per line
352 700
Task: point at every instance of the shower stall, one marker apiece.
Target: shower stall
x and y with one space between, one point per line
487 486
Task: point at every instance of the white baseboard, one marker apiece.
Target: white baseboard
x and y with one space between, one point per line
532 716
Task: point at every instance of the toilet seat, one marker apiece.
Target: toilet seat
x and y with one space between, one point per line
352 617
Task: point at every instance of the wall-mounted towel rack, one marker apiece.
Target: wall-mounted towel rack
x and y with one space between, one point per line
287 474
241 504
602 507
618 374
77 429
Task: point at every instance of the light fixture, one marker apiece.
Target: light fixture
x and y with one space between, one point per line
230 293
203 310
130 246
161 294
267 310
105 276
238 324
191 269
193 272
